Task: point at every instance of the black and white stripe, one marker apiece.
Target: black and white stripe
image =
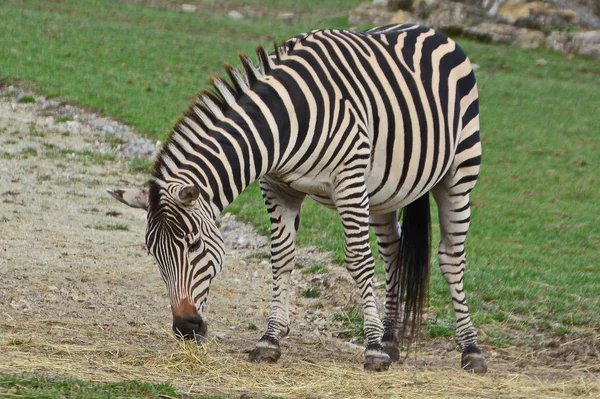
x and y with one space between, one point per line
365 123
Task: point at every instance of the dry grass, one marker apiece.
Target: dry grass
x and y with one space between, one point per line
220 367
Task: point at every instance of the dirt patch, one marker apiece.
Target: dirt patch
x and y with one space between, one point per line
80 297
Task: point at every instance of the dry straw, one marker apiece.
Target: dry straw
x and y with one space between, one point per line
217 367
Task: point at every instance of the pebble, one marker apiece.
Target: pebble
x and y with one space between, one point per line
189 8
235 14
286 16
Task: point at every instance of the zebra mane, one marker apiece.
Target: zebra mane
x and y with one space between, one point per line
210 104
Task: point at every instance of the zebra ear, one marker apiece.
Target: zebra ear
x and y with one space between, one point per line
187 195
135 198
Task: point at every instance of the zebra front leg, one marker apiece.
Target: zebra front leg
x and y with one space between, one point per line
454 217
352 204
283 205
387 230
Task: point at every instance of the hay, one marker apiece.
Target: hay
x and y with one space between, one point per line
216 367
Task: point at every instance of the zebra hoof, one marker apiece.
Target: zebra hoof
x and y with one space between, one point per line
473 361
392 349
376 359
265 351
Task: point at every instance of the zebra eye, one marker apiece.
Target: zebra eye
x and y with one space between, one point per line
195 245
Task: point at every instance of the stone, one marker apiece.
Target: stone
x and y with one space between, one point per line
528 38
586 44
511 10
492 33
402 16
558 41
369 13
452 14
189 8
235 14
395 5
286 16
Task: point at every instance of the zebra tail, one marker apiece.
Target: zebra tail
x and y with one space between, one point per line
415 253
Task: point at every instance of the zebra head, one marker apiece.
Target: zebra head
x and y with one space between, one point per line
183 237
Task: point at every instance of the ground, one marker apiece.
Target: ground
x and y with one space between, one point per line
80 297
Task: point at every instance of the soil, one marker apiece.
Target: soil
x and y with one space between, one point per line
74 272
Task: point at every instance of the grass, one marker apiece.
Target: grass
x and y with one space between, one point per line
311 292
29 151
352 321
87 156
141 165
26 99
62 118
112 227
315 269
43 387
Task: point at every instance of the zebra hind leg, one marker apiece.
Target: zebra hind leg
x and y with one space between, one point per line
387 230
283 205
454 218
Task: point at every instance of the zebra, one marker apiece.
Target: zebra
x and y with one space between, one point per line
365 123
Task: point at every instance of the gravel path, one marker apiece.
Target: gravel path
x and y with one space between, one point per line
69 252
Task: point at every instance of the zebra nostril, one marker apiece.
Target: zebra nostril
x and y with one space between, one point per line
191 327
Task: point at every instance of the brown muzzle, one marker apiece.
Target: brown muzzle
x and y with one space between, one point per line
187 323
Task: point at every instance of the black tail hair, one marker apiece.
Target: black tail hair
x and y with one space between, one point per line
414 262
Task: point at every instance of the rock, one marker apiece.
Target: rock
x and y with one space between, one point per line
189 8
525 23
450 14
402 16
586 44
528 38
367 13
395 5
235 14
490 33
287 16
138 148
558 41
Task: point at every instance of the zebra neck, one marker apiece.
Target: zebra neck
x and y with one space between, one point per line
235 151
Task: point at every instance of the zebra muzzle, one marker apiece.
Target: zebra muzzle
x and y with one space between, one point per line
187 323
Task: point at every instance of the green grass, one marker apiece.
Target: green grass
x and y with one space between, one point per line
315 269
140 165
87 156
136 63
112 227
311 292
62 118
42 387
26 99
534 241
352 321
29 151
